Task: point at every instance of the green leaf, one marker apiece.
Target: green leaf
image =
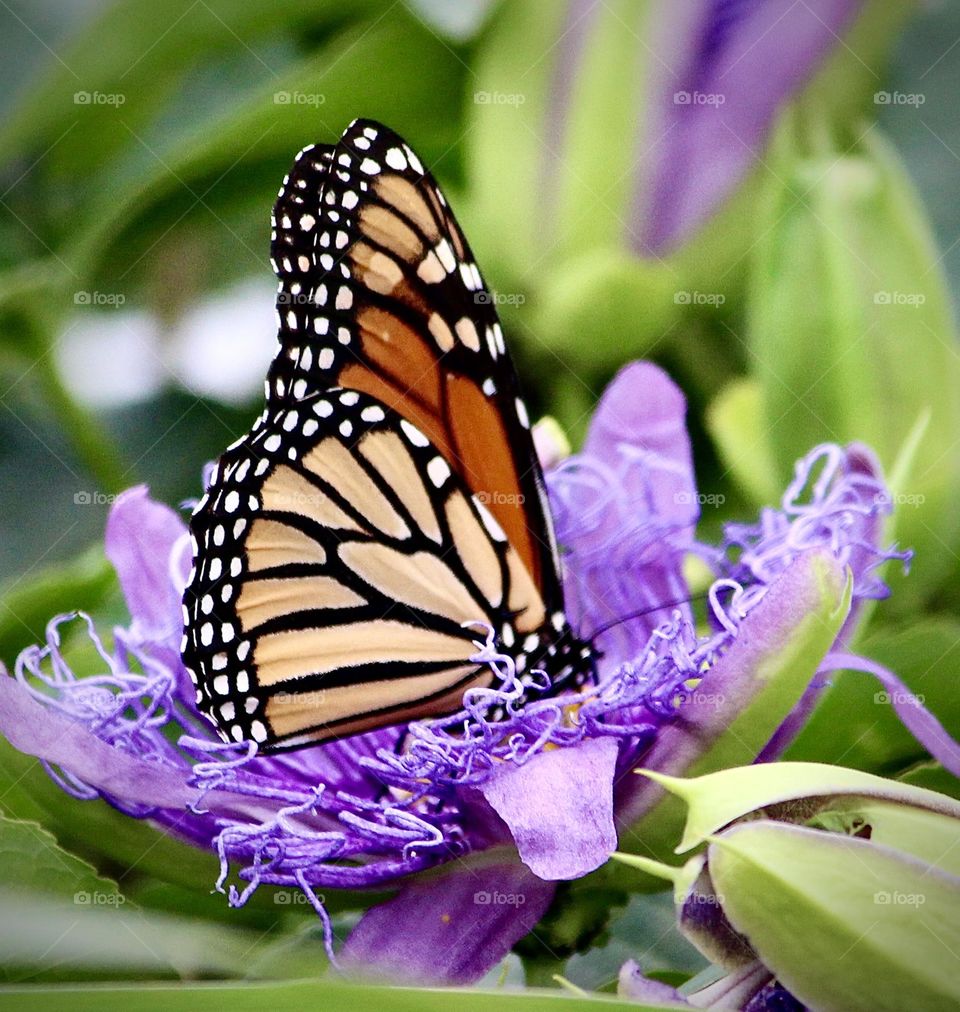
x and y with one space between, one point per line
31 860
97 831
854 723
27 605
297 995
155 869
137 56
98 937
843 924
735 421
240 156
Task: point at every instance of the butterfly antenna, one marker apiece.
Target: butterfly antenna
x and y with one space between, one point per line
606 627
658 607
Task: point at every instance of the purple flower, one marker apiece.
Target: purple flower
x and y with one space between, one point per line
499 809
725 69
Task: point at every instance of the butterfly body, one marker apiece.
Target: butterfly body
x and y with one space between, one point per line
387 505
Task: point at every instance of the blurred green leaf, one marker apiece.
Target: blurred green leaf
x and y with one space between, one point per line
853 337
129 60
647 926
31 860
112 939
603 308
27 605
35 869
241 155
510 97
735 421
297 995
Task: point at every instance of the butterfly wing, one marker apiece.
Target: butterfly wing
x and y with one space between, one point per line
337 565
389 493
380 292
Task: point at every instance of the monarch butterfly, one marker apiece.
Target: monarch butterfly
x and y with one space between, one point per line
388 498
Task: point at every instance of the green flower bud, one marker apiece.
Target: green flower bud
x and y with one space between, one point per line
853 339
843 885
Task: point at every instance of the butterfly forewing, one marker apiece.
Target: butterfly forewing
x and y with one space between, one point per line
388 498
380 292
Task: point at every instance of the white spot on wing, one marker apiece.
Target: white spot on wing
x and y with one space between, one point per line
413 433
396 159
522 414
438 470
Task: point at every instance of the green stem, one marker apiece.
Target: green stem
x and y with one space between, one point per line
541 970
90 441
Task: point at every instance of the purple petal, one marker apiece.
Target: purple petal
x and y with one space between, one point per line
643 411
635 986
149 547
450 928
915 717
625 510
140 540
127 781
727 69
559 807
35 730
866 538
737 676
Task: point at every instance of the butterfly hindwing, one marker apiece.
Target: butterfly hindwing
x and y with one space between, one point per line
343 568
